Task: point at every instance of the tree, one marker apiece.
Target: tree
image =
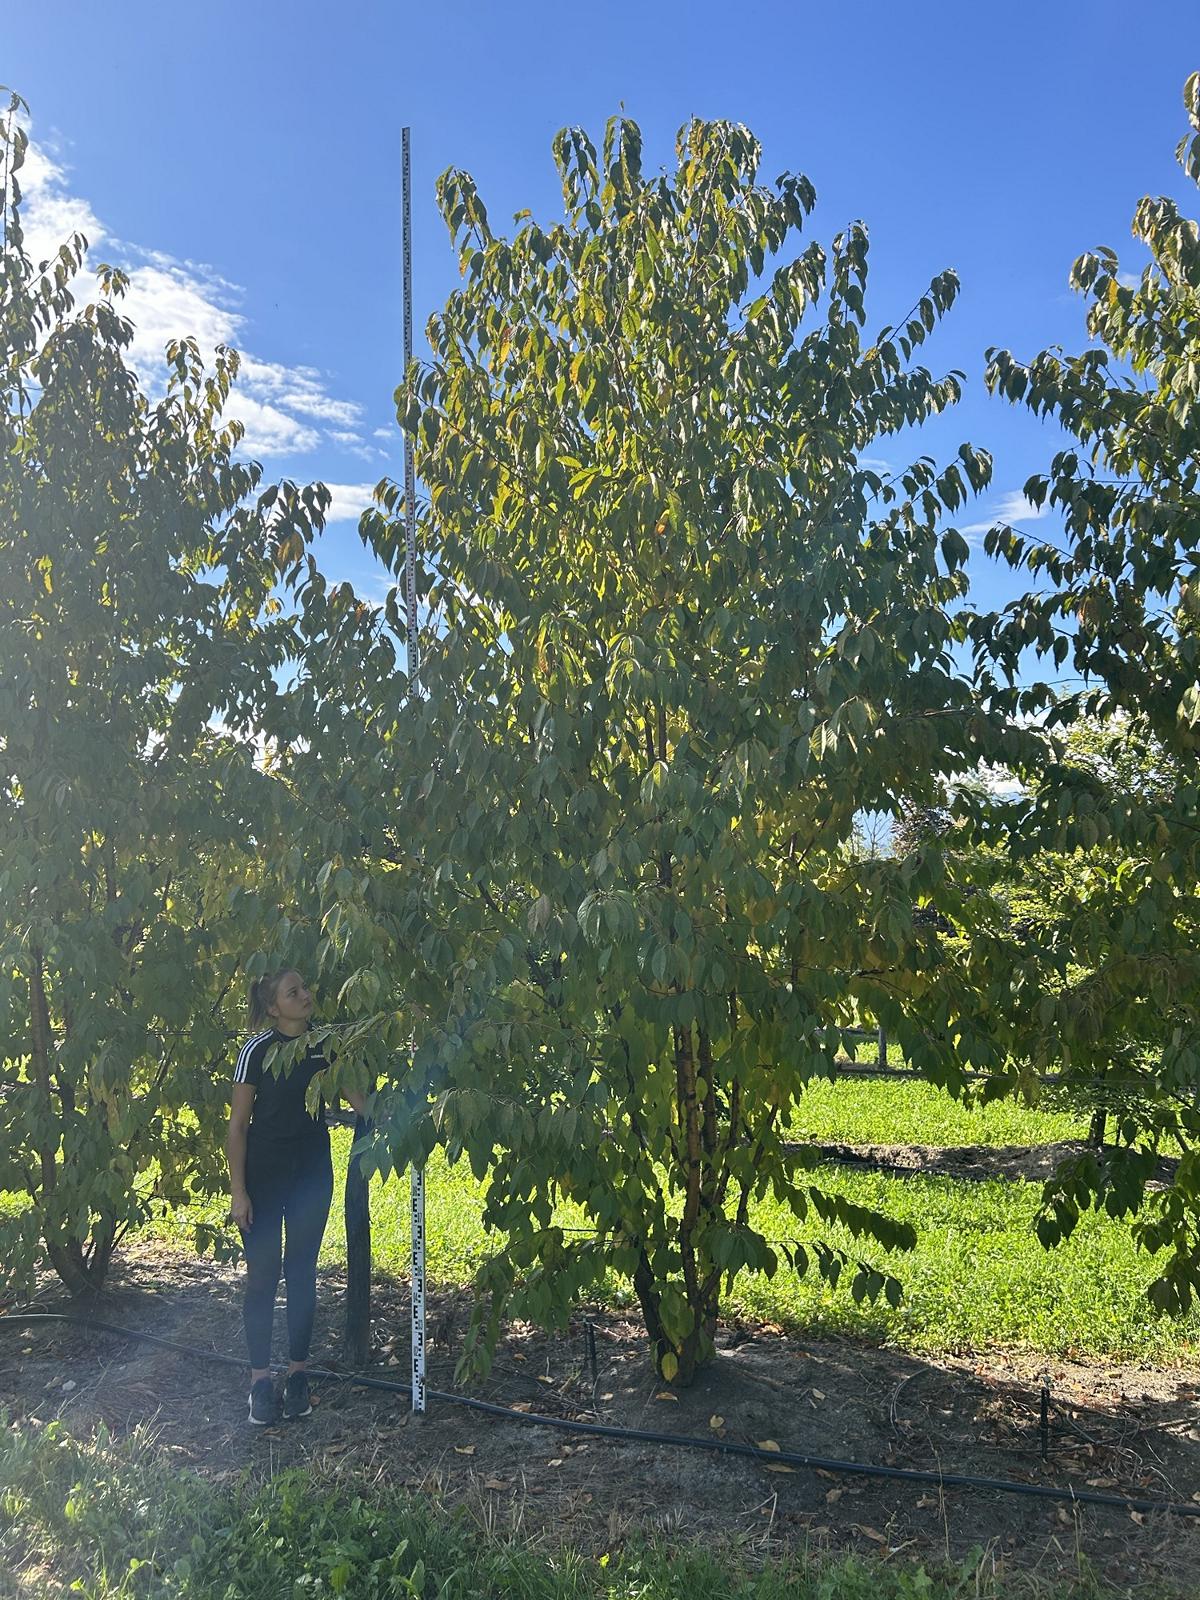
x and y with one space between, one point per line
137 564
1117 601
679 637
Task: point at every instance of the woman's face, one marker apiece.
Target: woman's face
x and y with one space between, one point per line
293 1003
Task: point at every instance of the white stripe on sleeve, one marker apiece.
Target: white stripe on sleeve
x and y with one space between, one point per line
243 1060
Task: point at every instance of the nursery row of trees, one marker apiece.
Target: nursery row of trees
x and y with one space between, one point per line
582 901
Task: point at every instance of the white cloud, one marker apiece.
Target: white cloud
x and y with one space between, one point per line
349 501
165 302
269 431
385 433
1012 508
286 410
49 214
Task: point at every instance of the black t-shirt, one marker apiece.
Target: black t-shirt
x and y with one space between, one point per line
279 1113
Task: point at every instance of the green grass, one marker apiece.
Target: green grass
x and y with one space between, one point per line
977 1278
100 1518
882 1111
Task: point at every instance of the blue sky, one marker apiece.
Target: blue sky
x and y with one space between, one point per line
244 161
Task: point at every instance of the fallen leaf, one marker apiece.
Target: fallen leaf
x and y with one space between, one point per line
1138 1516
818 1394
606 1397
517 1356
69 1385
716 1422
871 1533
542 1378
521 1405
464 1449
780 1466
767 1444
665 1394
832 1495
496 1483
556 1462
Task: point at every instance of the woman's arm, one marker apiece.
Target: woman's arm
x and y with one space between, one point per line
240 1210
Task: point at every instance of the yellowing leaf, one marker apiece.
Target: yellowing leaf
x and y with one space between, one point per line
464 1449
780 1466
716 1422
767 1444
665 1394
496 1483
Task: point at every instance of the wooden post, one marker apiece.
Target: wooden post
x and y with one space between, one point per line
882 1045
358 1259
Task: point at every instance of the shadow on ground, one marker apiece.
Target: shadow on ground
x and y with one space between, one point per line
1131 1430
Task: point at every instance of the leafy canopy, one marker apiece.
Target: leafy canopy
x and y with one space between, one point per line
679 636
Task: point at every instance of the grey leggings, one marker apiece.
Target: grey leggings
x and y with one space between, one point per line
290 1187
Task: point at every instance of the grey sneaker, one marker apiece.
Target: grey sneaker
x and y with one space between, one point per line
295 1396
264 1403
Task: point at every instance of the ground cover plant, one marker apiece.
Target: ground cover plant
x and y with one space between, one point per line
94 1513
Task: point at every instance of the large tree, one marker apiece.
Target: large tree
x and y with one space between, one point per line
680 635
139 638
1114 994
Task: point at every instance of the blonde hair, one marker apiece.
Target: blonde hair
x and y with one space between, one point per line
262 995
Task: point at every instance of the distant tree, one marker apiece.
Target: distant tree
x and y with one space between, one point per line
137 563
1118 984
919 822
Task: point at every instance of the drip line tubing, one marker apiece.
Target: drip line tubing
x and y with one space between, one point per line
604 1430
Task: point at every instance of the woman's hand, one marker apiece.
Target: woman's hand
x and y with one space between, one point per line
241 1211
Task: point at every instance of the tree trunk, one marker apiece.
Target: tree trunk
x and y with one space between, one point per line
39 1027
1097 1130
358 1259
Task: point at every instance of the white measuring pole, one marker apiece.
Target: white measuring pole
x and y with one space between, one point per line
416 1174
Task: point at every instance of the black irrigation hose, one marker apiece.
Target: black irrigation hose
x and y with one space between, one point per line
954 1480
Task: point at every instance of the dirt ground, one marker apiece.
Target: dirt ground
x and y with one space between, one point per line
1124 1429
974 1162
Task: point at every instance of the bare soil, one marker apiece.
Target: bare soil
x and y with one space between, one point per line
974 1162
1129 1429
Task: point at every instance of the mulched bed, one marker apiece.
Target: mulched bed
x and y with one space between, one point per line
1130 1429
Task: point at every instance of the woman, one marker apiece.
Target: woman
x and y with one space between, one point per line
281 1177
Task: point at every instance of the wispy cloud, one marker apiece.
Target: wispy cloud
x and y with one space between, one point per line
1011 508
285 410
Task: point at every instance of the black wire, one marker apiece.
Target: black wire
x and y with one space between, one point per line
647 1436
